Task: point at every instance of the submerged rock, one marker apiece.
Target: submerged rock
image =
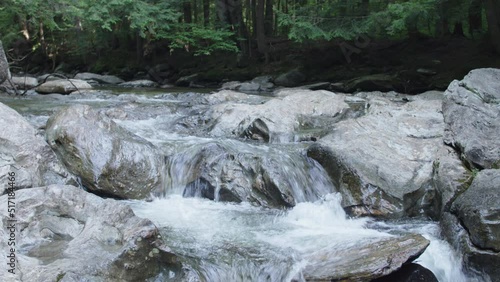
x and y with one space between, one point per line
109 159
26 154
471 110
365 261
382 162
63 86
67 234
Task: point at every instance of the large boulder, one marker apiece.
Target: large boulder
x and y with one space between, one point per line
382 162
473 225
471 110
66 234
63 86
104 79
281 119
238 173
108 159
365 261
27 155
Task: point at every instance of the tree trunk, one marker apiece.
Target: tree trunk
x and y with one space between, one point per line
195 11
475 17
268 18
254 17
230 12
492 15
261 32
186 8
442 25
365 6
206 12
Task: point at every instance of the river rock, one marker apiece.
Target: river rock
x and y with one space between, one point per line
187 81
25 82
26 154
471 110
382 162
67 234
280 119
139 83
478 209
365 261
104 79
258 84
374 82
49 77
108 159
238 173
450 177
473 225
411 272
290 79
63 86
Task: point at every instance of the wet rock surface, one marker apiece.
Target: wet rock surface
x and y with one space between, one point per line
24 152
67 234
109 159
382 162
365 262
233 173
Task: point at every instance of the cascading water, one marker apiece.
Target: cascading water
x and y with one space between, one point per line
221 241
242 242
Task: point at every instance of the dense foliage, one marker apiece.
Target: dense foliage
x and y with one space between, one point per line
89 29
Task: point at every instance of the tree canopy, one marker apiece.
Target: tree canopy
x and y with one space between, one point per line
95 28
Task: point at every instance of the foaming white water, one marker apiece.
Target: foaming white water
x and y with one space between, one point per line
439 257
241 242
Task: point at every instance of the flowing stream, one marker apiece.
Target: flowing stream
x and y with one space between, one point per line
223 241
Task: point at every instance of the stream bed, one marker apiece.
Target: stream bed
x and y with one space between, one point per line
239 241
